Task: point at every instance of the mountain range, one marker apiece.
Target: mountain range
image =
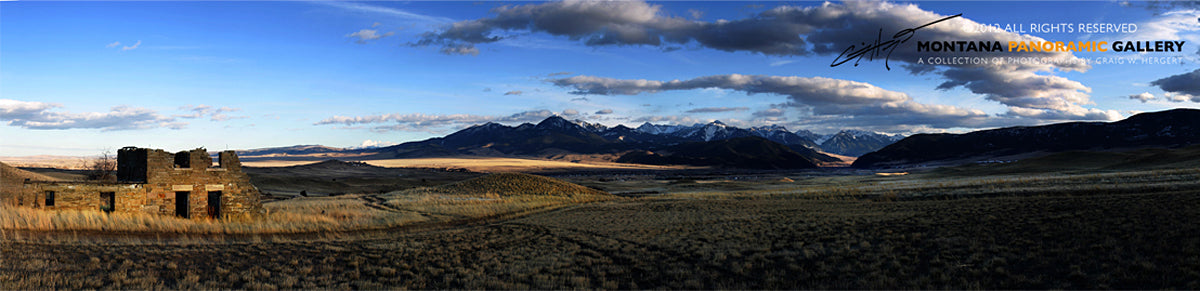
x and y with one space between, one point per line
1165 129
676 144
774 147
556 135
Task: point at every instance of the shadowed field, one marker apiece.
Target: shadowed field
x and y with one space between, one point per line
1137 241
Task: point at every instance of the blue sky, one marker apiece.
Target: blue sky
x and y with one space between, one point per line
77 78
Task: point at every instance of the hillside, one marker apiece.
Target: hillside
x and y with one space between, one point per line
337 177
10 175
12 178
745 152
1165 129
1087 161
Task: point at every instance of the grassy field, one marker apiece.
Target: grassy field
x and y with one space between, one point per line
1128 229
447 204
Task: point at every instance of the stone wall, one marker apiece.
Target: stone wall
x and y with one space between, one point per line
164 178
84 196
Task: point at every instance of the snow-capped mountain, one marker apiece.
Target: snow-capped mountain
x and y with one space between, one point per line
857 142
659 128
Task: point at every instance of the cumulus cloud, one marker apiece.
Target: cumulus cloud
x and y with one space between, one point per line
1144 97
717 109
514 92
824 96
570 112
604 111
366 35
1181 97
1187 83
854 102
437 123
1080 114
41 115
214 114
826 29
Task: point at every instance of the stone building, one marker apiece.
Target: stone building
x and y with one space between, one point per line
185 184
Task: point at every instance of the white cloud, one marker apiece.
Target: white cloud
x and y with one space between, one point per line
514 92
386 11
131 47
847 102
214 114
438 123
1181 97
365 35
604 111
1170 25
40 115
114 44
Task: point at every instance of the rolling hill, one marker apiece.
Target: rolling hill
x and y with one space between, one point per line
1165 129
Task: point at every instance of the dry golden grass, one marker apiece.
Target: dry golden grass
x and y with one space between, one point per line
293 216
488 196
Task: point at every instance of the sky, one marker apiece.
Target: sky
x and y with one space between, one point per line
81 78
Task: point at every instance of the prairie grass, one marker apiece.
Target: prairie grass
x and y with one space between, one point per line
488 196
294 216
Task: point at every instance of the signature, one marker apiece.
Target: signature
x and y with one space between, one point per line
873 50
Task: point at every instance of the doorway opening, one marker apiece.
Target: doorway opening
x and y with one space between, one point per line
181 204
214 204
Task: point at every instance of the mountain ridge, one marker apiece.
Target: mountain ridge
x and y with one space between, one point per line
555 135
1169 128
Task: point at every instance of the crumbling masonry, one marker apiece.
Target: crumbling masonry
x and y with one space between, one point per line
185 184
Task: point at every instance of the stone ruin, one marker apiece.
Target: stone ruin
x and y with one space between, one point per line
184 184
